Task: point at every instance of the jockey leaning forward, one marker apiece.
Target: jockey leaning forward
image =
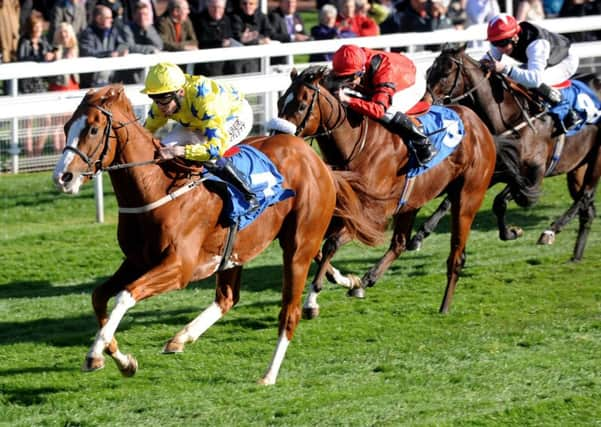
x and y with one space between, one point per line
211 116
545 56
382 86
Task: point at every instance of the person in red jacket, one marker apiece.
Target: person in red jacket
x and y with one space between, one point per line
382 86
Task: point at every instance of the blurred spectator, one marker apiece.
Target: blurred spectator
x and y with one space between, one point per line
551 8
480 12
287 24
9 29
419 16
456 14
250 27
213 30
326 30
102 39
581 8
33 46
142 37
71 11
65 47
379 10
176 29
530 10
116 8
130 6
349 21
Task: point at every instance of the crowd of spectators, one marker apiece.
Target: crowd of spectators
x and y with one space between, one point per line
49 30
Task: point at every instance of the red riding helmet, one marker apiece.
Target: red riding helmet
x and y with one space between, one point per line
502 27
349 59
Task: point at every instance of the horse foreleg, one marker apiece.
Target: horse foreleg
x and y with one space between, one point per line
499 207
415 244
402 230
227 294
167 275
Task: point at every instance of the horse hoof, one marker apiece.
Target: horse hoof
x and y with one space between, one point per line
266 381
547 238
92 364
310 312
131 368
173 346
414 245
356 293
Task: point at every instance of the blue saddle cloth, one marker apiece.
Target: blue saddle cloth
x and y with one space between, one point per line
582 99
445 131
264 180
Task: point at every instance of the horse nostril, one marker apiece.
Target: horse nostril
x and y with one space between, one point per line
67 177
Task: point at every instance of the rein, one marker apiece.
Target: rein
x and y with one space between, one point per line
341 118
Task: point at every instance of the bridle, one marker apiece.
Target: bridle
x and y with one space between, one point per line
460 69
96 166
341 117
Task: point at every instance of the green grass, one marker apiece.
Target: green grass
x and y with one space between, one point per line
521 345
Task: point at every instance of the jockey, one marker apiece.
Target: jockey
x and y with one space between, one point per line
546 58
211 116
388 86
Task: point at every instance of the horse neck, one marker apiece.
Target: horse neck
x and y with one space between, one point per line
499 116
343 141
137 185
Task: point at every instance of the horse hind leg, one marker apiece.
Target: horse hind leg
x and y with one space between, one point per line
227 294
415 244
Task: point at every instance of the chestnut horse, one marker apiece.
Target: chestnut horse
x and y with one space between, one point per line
171 230
509 110
352 142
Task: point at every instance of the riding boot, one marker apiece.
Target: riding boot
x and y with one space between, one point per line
549 94
418 142
225 170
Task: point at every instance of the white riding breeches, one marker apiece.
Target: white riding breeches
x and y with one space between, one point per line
238 129
404 99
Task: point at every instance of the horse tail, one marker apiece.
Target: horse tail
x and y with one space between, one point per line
352 199
508 170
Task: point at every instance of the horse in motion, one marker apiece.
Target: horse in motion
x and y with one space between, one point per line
355 143
171 230
528 146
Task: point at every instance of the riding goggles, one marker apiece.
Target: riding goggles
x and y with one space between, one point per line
501 43
163 98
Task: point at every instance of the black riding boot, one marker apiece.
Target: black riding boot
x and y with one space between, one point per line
417 141
225 170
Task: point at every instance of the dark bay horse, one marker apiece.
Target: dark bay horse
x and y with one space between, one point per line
171 230
351 142
529 133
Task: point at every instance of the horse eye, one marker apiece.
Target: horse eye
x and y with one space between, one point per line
302 107
94 131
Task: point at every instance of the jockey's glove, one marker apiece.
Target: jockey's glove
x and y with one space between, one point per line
196 152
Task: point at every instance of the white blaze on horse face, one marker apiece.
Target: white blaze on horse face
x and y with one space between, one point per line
62 166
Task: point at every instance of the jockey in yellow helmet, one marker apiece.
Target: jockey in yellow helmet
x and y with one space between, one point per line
212 117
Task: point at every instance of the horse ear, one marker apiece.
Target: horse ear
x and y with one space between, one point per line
293 73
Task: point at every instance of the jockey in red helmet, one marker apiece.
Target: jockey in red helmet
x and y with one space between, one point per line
382 86
545 56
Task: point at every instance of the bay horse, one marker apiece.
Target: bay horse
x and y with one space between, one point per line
171 231
349 141
528 131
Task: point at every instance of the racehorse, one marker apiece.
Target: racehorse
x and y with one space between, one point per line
352 142
529 132
171 230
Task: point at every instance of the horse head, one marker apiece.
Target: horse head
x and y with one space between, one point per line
95 136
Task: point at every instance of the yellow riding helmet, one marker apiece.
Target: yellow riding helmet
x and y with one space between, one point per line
164 77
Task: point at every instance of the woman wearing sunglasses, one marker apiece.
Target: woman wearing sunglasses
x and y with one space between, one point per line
545 56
